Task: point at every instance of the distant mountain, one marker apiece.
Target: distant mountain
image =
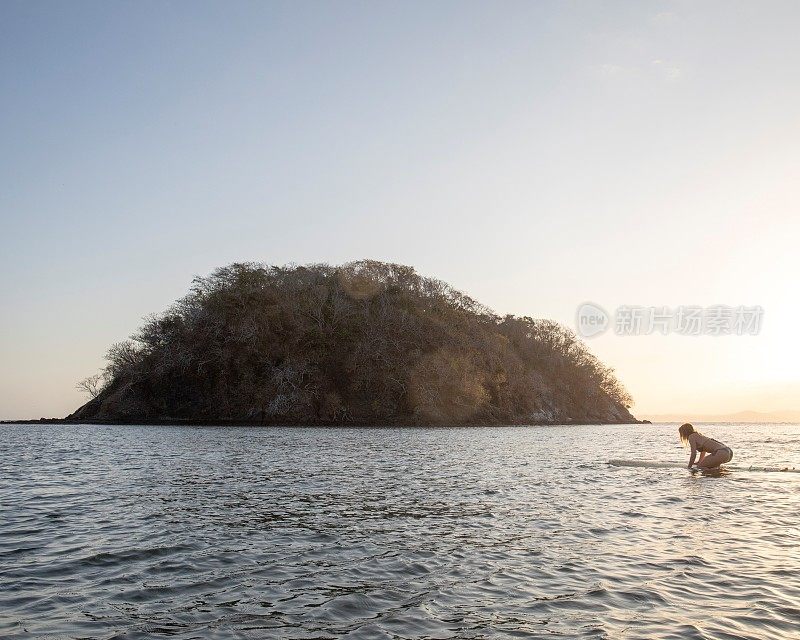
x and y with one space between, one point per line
363 343
741 416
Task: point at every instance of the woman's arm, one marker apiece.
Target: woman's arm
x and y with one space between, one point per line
694 453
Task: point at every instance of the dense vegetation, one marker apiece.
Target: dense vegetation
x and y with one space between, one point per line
366 342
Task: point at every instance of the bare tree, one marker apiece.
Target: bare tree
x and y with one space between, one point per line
92 385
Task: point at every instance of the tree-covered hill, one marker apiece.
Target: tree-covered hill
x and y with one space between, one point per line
363 343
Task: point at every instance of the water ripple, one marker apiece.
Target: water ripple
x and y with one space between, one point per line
142 532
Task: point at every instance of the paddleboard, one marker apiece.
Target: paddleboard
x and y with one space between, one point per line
650 464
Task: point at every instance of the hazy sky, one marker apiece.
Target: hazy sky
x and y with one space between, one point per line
535 155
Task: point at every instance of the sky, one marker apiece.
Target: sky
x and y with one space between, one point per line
536 155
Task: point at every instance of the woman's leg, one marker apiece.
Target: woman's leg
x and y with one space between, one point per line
714 459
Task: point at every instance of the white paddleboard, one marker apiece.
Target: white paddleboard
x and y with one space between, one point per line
650 464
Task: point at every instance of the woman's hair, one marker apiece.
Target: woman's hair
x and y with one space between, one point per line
685 430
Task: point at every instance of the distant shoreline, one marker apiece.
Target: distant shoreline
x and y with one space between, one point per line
750 417
289 423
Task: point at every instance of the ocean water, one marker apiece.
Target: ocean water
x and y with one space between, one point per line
518 532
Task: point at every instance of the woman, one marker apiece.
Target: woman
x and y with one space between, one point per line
712 453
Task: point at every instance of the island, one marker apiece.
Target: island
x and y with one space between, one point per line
364 343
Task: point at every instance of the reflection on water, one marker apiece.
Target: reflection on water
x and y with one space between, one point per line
141 532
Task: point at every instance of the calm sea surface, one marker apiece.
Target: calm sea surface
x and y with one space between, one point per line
519 532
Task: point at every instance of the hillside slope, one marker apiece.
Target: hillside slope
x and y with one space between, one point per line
364 343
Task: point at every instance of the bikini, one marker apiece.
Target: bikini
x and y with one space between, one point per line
730 453
723 448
